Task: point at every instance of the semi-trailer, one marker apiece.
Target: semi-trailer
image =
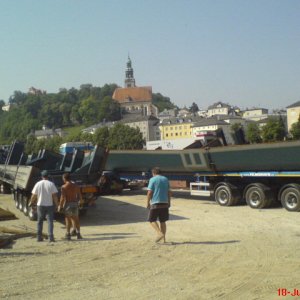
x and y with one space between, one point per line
259 174
19 173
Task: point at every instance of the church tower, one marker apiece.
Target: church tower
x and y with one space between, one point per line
129 79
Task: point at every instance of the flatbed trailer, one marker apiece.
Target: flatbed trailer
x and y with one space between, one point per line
20 178
258 189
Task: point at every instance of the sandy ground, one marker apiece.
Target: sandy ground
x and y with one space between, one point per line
212 252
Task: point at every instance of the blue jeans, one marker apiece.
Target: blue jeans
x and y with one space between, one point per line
42 212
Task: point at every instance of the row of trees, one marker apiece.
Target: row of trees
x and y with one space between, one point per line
122 137
273 131
67 108
119 137
72 107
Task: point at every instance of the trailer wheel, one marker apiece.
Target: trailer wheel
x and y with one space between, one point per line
16 197
25 206
6 189
224 195
290 199
19 201
257 196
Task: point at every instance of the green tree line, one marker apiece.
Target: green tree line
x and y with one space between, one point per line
119 137
273 131
84 106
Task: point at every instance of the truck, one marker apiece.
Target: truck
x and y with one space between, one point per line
259 174
19 173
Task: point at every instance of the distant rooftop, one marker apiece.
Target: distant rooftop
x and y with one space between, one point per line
218 105
210 122
181 120
255 108
134 94
296 104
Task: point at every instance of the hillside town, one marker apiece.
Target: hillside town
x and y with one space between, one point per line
181 128
177 128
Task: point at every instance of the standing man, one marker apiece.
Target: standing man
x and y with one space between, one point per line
158 201
45 194
70 196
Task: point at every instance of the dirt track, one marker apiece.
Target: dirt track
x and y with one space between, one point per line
212 253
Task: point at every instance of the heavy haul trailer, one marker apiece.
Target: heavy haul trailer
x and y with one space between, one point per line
258 189
19 174
259 174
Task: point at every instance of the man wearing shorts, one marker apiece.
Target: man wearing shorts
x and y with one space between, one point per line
158 201
70 196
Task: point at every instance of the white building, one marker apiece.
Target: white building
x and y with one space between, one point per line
177 144
220 108
293 113
207 127
148 125
6 107
255 114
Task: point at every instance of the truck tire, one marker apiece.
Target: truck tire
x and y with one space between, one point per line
18 200
15 198
21 202
258 196
290 198
6 189
25 206
225 195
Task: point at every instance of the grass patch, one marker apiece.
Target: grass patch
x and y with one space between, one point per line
74 130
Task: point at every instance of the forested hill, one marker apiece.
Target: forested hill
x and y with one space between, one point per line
84 106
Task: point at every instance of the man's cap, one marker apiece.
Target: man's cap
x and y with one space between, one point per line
44 173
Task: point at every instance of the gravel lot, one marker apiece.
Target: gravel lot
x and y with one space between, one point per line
212 252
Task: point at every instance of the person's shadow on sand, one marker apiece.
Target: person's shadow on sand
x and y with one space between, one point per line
199 243
103 237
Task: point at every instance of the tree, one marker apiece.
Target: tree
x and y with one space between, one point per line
101 137
30 143
162 102
87 105
75 116
109 110
33 145
2 103
253 134
53 143
17 98
85 91
274 130
295 130
65 109
107 90
238 134
88 110
194 108
123 137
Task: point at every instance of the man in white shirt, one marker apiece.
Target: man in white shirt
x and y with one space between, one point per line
45 193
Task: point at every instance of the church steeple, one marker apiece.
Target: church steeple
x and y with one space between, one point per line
129 78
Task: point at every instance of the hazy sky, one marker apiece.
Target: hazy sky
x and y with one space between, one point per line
244 53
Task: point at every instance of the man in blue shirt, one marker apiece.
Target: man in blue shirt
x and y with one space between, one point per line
158 201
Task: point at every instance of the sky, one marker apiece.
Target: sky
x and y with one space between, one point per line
241 52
